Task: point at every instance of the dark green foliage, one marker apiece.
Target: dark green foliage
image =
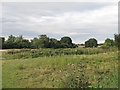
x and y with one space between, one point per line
34 43
16 42
117 40
42 42
66 42
54 43
108 43
45 42
87 44
91 43
74 45
111 43
2 40
9 44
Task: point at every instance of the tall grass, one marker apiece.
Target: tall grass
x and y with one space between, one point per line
66 71
34 53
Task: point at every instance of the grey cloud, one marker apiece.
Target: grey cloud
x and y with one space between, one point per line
77 20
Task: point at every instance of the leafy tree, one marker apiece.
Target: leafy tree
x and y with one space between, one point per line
9 44
42 36
11 38
34 43
26 44
16 42
117 39
66 42
91 43
87 44
54 43
43 41
2 40
109 42
64 45
74 45
19 42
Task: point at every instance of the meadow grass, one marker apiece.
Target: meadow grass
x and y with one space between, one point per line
65 71
35 53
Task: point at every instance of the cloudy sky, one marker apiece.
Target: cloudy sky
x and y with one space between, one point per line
79 20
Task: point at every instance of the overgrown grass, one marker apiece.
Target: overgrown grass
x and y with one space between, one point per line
34 53
65 71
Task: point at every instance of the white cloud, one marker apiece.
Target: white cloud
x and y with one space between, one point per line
71 21
104 20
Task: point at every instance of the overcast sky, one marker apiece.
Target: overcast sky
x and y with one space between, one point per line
79 20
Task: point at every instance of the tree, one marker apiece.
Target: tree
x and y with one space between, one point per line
34 43
25 43
16 42
87 44
9 44
109 42
74 45
54 43
117 40
91 43
2 40
43 41
66 42
19 42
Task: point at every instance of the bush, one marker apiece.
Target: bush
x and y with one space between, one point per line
91 43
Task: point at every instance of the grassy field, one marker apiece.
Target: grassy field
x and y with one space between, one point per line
90 68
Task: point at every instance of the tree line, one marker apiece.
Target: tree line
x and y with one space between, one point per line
41 42
107 44
45 42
